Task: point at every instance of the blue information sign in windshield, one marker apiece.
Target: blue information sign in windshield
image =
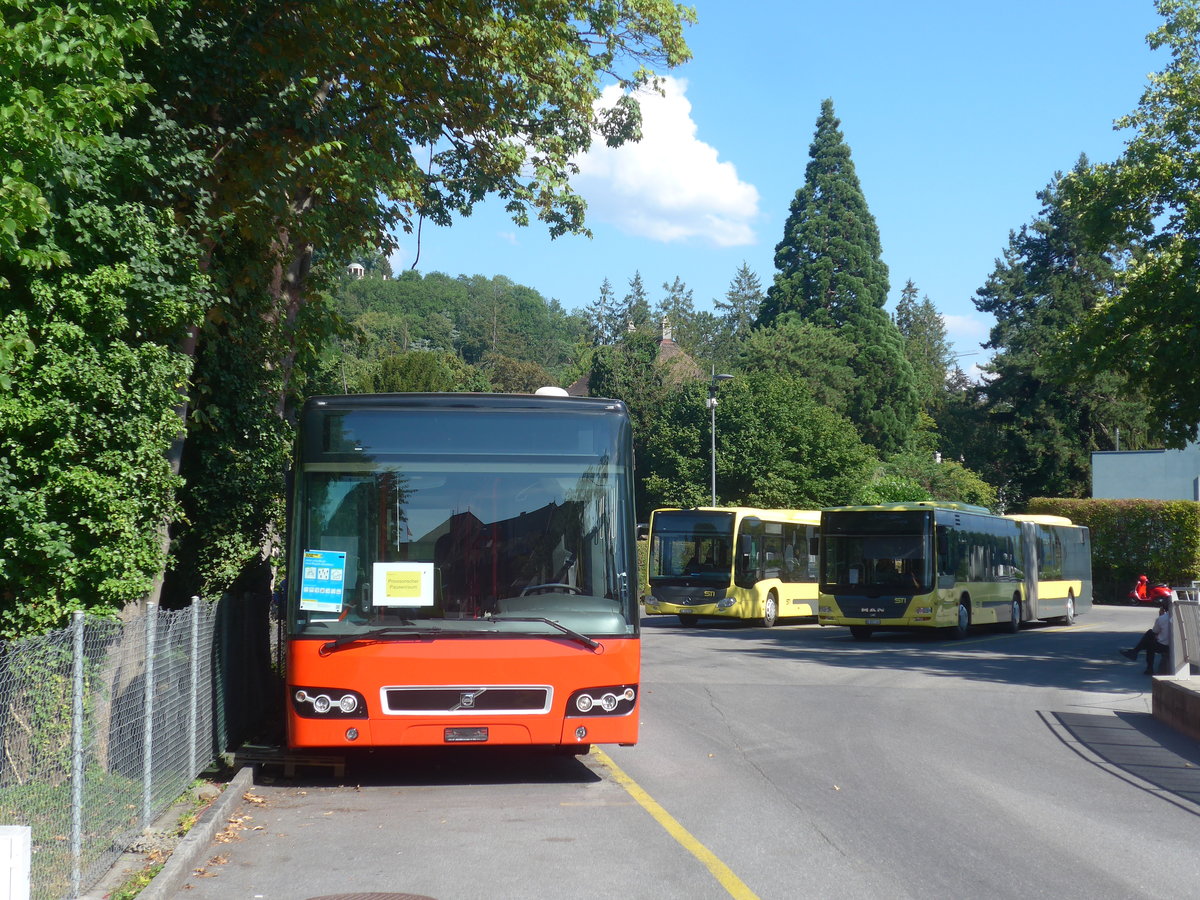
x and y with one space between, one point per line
322 580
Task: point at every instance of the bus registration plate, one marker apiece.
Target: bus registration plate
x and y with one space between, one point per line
466 735
873 621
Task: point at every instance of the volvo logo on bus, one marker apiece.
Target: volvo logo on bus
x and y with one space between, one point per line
466 700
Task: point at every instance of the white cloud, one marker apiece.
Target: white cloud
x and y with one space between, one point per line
670 186
966 332
509 237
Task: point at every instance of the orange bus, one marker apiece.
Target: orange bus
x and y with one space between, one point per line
463 572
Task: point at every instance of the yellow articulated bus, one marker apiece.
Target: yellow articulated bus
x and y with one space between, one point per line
949 566
732 563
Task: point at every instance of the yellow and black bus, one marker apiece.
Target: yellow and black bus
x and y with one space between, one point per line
950 566
732 563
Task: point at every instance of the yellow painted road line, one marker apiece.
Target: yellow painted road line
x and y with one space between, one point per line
734 885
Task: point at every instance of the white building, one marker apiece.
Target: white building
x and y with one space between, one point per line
1147 474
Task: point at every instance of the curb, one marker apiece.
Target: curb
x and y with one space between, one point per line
195 844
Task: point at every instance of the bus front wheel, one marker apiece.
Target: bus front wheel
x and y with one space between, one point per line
770 610
861 632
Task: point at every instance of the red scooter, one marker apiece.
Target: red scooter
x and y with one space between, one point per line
1143 594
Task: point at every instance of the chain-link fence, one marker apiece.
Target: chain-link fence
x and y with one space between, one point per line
104 724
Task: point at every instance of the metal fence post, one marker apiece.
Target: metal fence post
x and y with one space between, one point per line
77 754
194 679
148 713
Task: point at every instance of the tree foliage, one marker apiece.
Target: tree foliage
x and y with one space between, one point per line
830 273
1047 412
204 167
1148 197
65 83
776 448
828 266
86 405
820 357
925 345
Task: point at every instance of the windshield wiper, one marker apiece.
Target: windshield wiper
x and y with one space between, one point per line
405 629
569 632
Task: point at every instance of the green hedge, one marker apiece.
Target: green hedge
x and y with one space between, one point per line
1156 538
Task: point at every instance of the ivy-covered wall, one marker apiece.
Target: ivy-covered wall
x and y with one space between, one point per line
1156 538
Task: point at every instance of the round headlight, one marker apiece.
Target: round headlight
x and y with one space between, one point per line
584 702
322 703
301 697
629 694
609 702
348 703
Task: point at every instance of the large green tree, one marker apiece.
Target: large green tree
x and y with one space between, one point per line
830 273
96 286
776 448
325 126
828 266
925 345
1048 415
1149 197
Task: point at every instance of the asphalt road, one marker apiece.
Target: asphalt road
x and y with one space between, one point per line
780 763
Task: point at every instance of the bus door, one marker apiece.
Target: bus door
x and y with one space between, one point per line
749 563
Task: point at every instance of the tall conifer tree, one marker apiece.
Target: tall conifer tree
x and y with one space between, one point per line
925 345
828 265
636 306
830 273
742 302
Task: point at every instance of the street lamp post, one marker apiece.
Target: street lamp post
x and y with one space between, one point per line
712 410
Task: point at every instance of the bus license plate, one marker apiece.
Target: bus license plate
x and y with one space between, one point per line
466 735
873 621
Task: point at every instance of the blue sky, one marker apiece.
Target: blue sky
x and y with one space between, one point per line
956 114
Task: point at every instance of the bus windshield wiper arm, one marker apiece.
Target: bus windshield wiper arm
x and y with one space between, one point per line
569 632
406 628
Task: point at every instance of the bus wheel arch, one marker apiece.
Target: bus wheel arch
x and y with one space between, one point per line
1014 621
963 626
1069 617
770 609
